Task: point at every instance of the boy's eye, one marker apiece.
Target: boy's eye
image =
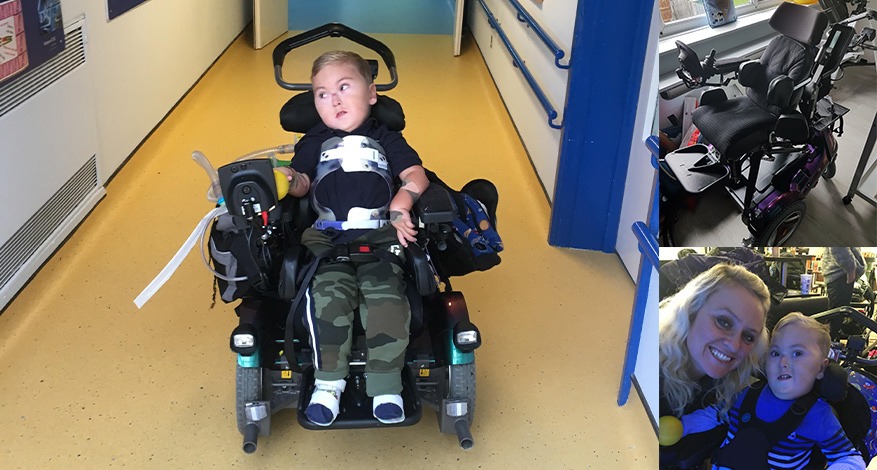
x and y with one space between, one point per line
774 354
344 86
797 353
321 94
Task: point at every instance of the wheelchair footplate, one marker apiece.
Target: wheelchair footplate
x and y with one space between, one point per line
356 406
827 112
696 167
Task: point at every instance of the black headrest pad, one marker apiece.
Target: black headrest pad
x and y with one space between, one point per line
833 386
299 113
799 22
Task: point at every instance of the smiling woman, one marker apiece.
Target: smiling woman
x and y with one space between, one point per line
711 338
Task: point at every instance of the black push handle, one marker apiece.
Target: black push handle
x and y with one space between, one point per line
331 30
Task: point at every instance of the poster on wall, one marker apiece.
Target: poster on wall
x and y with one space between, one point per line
117 7
31 33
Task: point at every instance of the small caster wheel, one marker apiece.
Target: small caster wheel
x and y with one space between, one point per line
847 200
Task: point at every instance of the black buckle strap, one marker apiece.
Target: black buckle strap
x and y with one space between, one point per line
362 253
353 253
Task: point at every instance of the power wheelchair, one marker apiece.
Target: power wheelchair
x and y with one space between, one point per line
768 148
258 258
849 386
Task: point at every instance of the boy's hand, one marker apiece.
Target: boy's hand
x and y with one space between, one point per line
405 230
299 183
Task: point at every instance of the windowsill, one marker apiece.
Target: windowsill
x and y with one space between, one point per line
748 36
695 36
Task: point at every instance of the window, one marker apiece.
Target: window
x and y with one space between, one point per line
684 15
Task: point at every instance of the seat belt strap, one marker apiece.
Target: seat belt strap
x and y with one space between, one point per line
289 336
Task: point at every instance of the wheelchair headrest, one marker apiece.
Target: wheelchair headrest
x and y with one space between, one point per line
833 385
799 22
299 114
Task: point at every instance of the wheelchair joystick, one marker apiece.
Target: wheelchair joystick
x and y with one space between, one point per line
709 62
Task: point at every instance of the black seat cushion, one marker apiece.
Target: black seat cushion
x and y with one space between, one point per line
735 126
299 113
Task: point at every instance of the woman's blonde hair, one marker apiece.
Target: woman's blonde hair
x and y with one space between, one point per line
677 313
343 57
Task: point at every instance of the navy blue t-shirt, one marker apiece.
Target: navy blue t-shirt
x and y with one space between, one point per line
341 191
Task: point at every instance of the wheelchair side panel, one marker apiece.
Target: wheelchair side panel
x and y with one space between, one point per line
867 385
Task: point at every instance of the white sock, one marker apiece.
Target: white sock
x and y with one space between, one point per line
388 409
325 401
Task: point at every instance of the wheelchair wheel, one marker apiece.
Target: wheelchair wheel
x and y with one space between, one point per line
829 171
780 224
248 388
461 385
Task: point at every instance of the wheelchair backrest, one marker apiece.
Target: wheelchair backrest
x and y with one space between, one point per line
793 52
799 22
299 114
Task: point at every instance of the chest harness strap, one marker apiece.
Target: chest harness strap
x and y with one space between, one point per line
755 437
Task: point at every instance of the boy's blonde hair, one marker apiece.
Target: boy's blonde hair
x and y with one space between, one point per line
345 57
823 337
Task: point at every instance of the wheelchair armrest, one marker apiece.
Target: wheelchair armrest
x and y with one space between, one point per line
420 269
750 73
729 64
780 91
294 260
435 206
792 127
712 97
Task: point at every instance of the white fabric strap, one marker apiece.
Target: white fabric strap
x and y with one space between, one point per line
178 258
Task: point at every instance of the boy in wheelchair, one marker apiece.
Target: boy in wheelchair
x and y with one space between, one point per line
348 164
776 425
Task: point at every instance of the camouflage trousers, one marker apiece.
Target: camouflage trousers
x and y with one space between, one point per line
378 289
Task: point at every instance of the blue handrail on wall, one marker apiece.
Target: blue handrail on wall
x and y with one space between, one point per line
552 114
524 17
648 246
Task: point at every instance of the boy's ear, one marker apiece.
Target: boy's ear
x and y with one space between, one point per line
821 373
373 94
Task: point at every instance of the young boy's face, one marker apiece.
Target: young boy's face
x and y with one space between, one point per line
342 96
794 362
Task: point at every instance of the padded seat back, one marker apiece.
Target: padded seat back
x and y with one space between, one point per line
299 114
809 305
792 53
783 56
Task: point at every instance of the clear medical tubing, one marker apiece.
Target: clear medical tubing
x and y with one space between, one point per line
214 194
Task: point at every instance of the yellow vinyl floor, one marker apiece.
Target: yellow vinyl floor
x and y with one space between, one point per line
89 381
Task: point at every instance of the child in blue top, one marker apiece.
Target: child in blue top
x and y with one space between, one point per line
796 359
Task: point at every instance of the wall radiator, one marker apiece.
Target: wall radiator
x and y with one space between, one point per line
48 160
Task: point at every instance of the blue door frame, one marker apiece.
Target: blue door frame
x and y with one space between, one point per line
608 52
